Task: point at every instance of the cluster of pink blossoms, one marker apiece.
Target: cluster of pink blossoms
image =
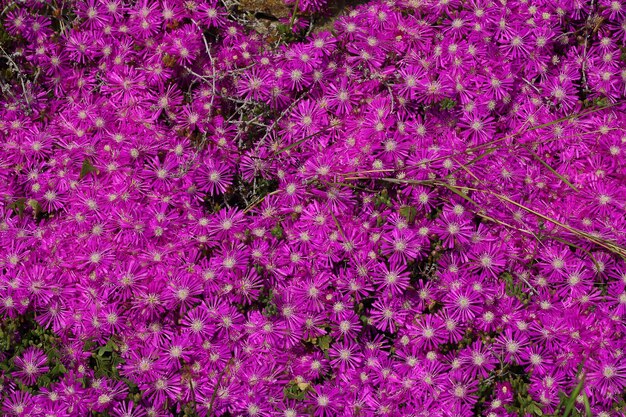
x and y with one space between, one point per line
420 213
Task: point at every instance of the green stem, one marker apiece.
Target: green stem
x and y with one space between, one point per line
293 16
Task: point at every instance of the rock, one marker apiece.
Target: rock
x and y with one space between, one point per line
274 8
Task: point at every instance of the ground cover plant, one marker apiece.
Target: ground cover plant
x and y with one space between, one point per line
411 208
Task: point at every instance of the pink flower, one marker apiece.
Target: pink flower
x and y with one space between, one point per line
31 364
213 177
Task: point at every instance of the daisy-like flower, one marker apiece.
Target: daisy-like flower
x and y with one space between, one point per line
386 314
125 85
308 119
511 345
311 292
428 332
128 409
479 358
162 174
167 101
357 284
555 261
342 96
163 388
198 324
212 14
213 177
255 85
52 199
227 222
536 358
395 280
345 356
324 401
563 94
488 259
607 375
464 303
453 230
108 394
31 364
460 391
409 77
433 90
477 129
402 246
347 326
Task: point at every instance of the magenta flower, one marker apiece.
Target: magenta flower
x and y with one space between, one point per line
463 303
428 332
345 356
453 230
308 119
608 376
402 246
409 213
31 364
386 314
394 280
480 359
213 177
324 401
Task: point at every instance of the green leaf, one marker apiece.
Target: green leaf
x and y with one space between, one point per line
534 408
572 398
447 104
18 206
294 392
58 369
277 231
409 213
108 348
86 169
324 342
587 405
282 28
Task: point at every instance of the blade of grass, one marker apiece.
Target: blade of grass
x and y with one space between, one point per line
569 406
600 242
293 16
298 142
519 132
258 201
593 259
460 194
489 218
587 405
552 170
338 225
